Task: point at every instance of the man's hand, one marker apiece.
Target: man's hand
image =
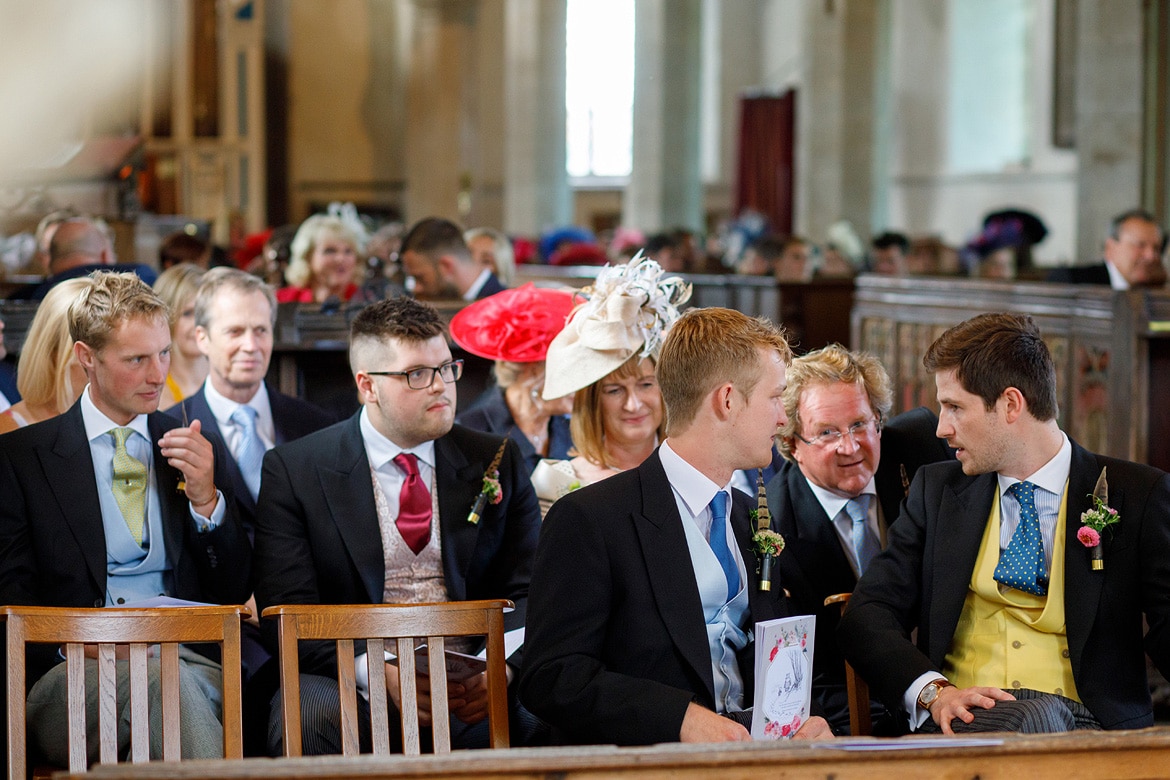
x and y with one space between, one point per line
955 702
188 451
422 686
702 725
468 699
815 727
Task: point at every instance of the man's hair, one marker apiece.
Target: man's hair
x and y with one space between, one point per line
1139 214
704 349
176 285
109 301
224 278
993 352
181 247
659 241
829 366
587 425
42 375
891 239
77 236
433 237
399 318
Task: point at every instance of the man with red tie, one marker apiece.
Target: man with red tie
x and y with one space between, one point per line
376 509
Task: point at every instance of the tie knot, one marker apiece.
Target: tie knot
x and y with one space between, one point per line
245 417
408 462
1025 492
858 508
120 436
719 506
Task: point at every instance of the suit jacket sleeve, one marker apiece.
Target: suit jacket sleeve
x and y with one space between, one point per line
576 591
874 632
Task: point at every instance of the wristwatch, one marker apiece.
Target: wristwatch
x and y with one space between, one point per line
931 690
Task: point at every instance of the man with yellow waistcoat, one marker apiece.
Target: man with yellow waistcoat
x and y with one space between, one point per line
1017 629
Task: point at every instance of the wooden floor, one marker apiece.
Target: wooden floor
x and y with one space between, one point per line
1126 754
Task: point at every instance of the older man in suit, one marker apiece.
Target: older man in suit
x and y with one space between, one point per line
645 592
846 473
112 503
375 510
234 317
992 561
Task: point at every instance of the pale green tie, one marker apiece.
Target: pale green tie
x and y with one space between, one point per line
129 484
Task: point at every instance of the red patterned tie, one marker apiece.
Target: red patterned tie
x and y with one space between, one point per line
414 505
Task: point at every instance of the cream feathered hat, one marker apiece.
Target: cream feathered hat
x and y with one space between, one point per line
627 311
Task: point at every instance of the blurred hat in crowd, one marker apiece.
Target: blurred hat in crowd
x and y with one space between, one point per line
514 325
627 311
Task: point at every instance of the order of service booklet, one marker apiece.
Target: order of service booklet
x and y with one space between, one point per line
784 665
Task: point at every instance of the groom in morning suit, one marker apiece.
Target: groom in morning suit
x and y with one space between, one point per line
375 509
112 503
644 592
1016 629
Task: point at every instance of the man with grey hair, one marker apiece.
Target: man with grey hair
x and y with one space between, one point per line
1133 255
845 473
234 317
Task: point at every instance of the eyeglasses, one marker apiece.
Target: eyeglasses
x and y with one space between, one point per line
424 377
830 437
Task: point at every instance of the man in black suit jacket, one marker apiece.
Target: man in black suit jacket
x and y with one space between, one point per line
66 539
1012 635
830 391
234 317
437 260
1132 257
332 523
629 583
8 392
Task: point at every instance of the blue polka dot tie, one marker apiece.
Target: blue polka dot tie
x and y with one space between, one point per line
1021 565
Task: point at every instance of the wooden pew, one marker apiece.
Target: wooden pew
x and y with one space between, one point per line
1124 754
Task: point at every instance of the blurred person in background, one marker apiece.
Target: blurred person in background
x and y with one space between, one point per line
323 262
177 287
492 250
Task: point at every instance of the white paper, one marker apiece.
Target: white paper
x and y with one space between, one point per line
162 601
784 667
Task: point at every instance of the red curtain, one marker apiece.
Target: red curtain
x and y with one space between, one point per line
767 142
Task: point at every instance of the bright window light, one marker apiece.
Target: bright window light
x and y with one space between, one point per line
599 99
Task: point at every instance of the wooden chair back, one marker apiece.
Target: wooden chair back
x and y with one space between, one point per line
393 627
135 629
857 689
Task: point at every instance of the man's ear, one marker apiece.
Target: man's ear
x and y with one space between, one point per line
85 354
1014 404
365 386
201 338
447 266
721 400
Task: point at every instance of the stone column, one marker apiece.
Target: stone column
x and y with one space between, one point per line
1108 117
536 185
665 187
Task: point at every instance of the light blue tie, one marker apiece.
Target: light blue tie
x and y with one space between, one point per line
1021 565
249 450
718 541
864 544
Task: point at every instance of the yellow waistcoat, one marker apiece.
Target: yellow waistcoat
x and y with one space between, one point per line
1007 638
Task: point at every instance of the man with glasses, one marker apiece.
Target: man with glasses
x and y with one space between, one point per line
845 474
1132 257
377 509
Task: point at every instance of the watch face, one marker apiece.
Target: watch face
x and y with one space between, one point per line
929 694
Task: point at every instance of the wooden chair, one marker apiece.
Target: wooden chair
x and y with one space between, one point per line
109 628
857 689
404 623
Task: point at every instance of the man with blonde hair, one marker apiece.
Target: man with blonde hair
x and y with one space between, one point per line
112 503
644 591
845 474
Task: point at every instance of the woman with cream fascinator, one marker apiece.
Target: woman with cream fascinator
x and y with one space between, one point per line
606 356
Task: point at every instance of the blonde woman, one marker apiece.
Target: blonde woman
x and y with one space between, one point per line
324 261
48 377
177 287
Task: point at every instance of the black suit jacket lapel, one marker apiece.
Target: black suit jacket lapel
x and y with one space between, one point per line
70 469
349 494
672 579
459 477
964 508
827 562
1082 585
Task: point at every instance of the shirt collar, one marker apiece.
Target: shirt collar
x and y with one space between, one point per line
97 424
692 486
1116 280
222 407
833 503
477 285
1052 476
381 450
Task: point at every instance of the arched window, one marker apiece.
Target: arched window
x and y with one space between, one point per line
599 95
